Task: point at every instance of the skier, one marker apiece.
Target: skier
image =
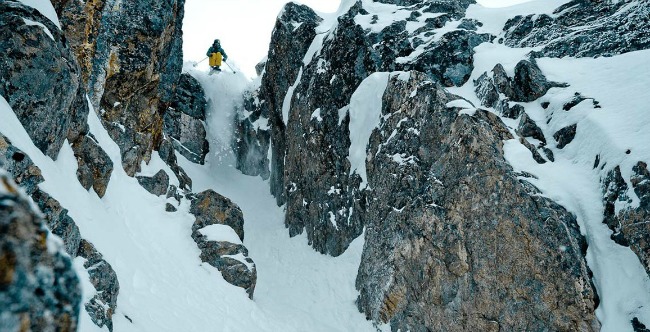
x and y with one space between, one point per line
216 54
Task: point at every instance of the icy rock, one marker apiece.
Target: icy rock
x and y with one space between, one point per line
95 167
156 184
502 81
39 75
428 261
584 28
565 135
252 148
39 290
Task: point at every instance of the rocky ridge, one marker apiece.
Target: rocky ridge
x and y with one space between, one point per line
433 176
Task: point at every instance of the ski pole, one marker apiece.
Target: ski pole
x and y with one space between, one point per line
196 64
233 71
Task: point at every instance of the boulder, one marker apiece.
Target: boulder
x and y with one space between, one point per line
156 184
95 166
448 233
210 208
528 128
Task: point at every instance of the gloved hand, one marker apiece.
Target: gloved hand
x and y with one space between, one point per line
225 58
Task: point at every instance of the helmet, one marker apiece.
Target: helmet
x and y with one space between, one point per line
216 41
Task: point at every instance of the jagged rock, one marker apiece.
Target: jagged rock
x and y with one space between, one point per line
156 184
292 35
448 233
253 138
565 135
95 166
210 208
529 82
536 155
58 221
450 60
225 256
486 91
39 75
528 128
168 155
615 27
130 77
183 121
513 112
259 68
19 166
39 290
629 225
102 276
190 97
502 81
187 134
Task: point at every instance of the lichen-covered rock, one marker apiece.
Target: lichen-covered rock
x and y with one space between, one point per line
39 290
95 166
156 184
615 27
39 75
131 58
210 208
448 233
102 276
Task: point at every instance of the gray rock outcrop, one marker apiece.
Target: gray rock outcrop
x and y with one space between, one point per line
39 290
95 167
448 233
37 63
183 121
156 184
231 259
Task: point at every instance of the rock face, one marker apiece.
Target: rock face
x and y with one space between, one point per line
95 167
450 227
183 121
130 56
36 64
28 176
629 225
448 232
39 290
615 27
230 256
